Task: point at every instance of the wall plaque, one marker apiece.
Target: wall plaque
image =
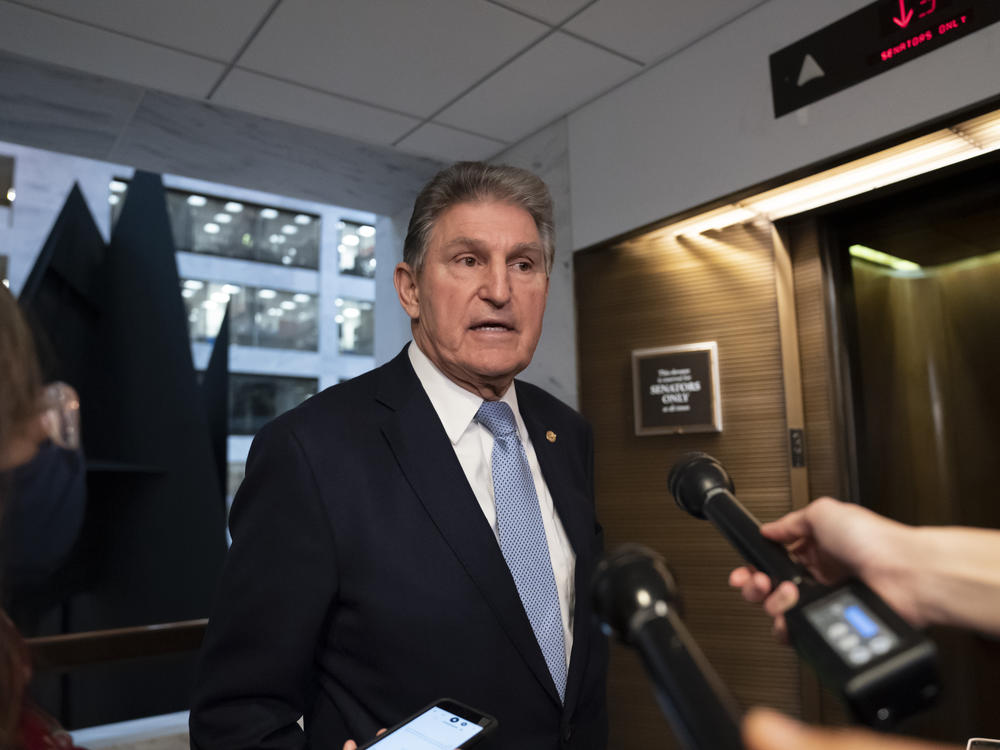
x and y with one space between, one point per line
676 389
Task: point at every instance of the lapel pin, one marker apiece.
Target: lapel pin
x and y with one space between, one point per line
550 436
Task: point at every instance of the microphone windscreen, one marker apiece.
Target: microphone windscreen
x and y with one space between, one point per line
693 477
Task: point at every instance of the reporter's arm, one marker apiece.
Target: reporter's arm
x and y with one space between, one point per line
930 575
956 578
764 729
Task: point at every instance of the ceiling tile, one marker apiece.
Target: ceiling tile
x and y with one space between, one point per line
215 29
547 81
649 29
448 144
278 100
44 37
412 56
550 11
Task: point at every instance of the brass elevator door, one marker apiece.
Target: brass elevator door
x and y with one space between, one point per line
923 355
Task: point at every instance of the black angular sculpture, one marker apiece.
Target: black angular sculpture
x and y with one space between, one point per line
115 327
215 392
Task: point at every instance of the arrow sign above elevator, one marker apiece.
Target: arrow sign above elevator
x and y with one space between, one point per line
870 41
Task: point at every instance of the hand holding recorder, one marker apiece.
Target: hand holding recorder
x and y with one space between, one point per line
930 575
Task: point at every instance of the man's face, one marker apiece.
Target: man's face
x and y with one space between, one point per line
477 304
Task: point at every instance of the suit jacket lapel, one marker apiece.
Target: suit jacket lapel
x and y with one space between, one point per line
571 506
428 461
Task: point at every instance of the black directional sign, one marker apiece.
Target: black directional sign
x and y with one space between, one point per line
870 41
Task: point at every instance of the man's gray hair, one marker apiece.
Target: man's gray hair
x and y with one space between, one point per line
473 182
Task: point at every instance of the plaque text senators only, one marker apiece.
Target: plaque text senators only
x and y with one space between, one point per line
676 389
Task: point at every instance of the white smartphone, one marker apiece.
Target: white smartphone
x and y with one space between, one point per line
444 725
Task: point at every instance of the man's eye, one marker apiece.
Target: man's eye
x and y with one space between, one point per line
522 265
468 261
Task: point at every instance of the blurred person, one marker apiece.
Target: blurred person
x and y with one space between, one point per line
28 474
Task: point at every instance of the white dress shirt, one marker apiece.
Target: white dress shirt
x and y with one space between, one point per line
473 445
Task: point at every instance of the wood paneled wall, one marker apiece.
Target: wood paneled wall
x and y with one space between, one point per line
656 290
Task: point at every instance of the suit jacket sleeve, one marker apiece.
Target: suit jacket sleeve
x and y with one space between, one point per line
256 671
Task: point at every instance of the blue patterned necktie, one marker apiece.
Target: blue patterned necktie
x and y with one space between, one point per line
522 537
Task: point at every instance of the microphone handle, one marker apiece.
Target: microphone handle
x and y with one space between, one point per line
742 530
702 713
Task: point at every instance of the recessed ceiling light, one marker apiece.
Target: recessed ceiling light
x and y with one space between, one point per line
936 150
287 305
300 298
366 231
197 200
289 229
193 284
117 186
351 240
267 294
211 228
303 219
233 207
223 218
268 213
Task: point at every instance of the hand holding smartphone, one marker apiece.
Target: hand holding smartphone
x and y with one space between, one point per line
444 725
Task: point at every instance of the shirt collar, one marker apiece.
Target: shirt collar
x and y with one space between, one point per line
455 406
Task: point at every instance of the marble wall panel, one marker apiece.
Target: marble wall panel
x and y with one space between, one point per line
172 134
546 153
55 108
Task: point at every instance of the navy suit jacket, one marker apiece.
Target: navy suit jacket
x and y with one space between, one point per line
364 581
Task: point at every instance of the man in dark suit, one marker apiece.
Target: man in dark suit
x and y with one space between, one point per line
425 530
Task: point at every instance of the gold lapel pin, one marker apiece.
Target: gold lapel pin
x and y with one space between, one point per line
550 436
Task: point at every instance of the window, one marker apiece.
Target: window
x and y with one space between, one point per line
235 229
255 400
234 477
356 249
356 320
258 317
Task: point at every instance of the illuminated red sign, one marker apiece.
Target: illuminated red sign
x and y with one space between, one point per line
882 35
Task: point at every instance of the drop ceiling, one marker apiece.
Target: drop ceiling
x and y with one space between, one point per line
444 79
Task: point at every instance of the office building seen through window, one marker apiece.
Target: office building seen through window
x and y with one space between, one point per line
257 316
356 319
356 249
237 229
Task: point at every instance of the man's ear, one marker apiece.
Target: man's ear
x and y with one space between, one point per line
405 280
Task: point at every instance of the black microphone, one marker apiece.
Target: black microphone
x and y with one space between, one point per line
880 665
635 598
703 488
